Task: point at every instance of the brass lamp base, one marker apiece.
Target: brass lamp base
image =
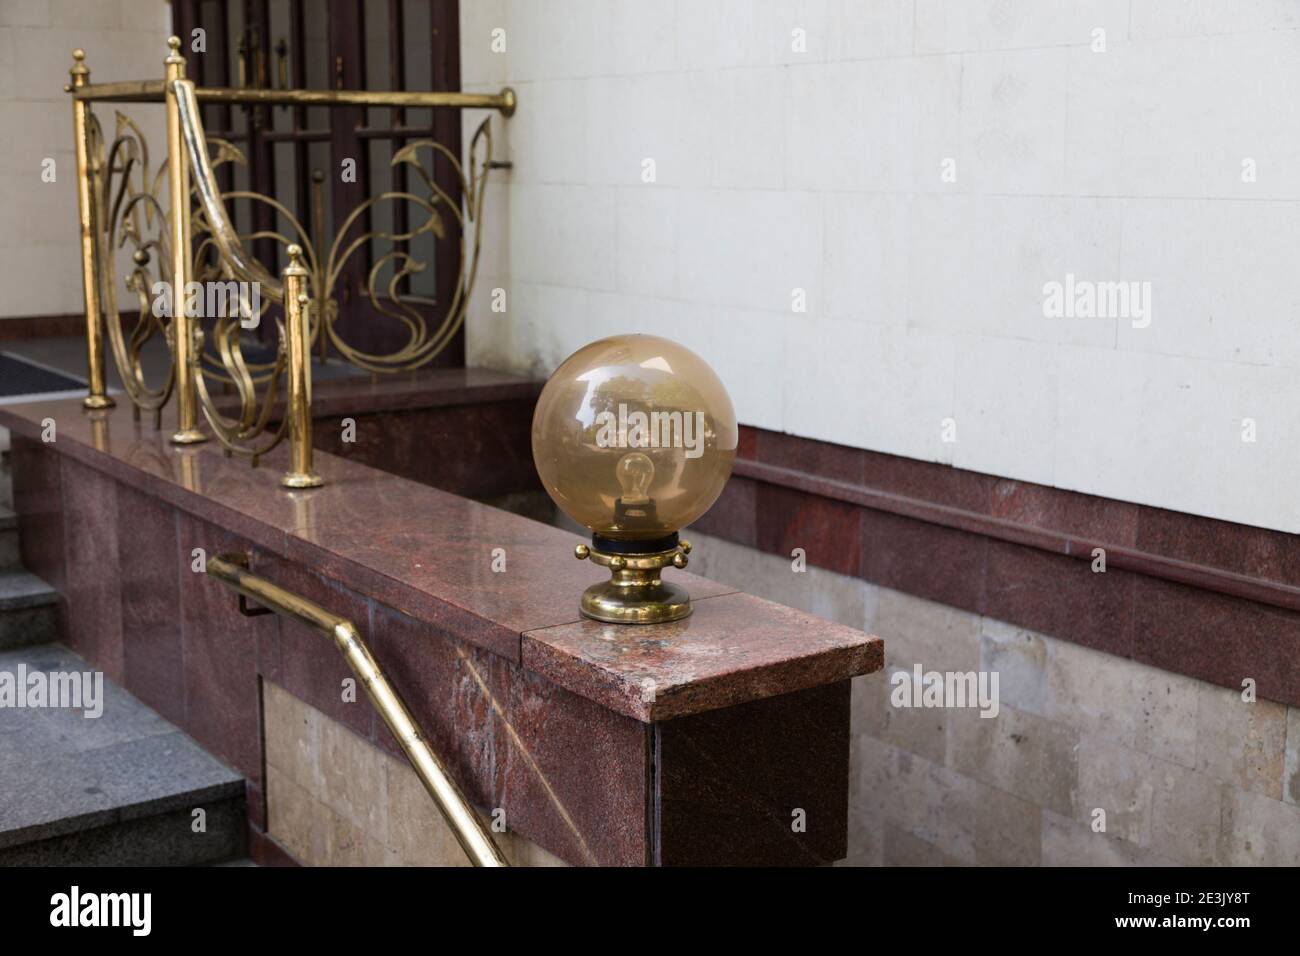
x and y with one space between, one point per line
635 593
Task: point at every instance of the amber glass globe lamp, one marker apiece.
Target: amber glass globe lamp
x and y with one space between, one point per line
634 437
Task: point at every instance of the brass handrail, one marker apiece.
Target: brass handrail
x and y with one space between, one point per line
232 571
242 265
155 91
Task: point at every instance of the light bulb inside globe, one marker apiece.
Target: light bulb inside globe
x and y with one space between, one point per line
635 471
634 437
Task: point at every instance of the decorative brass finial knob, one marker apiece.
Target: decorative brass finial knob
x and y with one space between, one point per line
174 58
295 266
581 552
79 72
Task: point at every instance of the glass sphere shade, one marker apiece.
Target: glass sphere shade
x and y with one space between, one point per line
634 437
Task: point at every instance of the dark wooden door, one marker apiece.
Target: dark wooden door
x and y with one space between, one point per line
298 154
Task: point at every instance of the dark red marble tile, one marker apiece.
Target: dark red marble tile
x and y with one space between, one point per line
111 441
221 653
734 516
1240 549
38 501
519 743
574 776
1217 638
64 326
1080 517
819 458
733 648
931 561
151 563
427 388
309 664
492 446
928 481
1061 596
95 568
747 442
450 688
827 530
255 804
731 782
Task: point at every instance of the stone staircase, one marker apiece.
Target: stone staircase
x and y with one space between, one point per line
122 788
28 606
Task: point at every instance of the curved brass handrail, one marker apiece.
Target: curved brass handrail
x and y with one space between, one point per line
232 571
244 267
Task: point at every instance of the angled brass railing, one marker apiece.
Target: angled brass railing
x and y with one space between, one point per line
232 571
190 238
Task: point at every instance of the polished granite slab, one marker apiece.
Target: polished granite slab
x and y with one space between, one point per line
429 554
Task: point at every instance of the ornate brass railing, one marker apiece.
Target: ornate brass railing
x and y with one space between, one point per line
191 242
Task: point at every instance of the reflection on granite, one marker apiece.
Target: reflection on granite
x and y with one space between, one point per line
672 743
429 554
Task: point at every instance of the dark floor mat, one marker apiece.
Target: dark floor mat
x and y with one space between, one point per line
18 377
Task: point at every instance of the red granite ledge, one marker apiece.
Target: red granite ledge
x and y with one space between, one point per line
734 648
428 388
1053 540
428 554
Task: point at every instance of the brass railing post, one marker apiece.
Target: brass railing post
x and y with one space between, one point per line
97 396
298 405
178 186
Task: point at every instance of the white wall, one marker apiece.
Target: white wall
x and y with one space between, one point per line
821 170
40 250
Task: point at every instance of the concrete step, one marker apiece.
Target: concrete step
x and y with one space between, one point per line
9 554
118 789
27 609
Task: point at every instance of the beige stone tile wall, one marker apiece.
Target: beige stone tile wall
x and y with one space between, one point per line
333 799
1187 772
40 251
